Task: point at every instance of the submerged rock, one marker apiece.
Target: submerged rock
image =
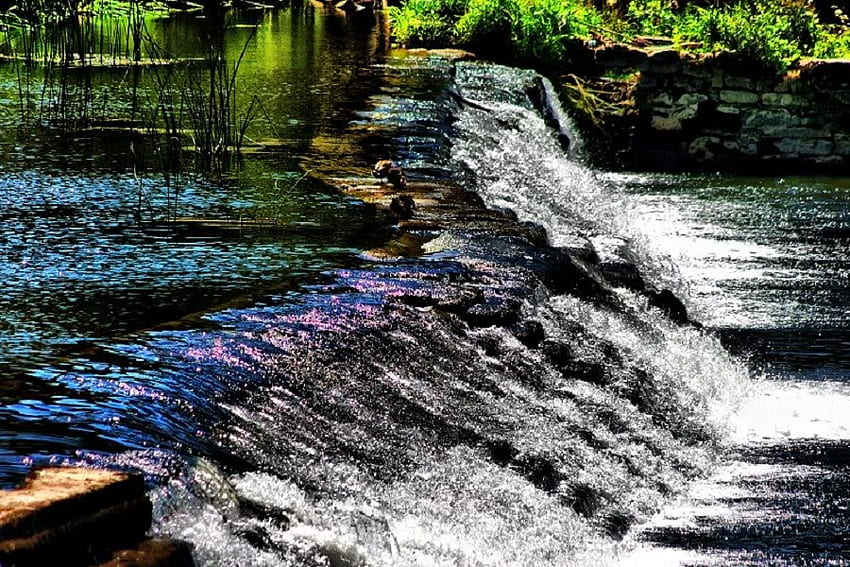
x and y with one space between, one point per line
499 312
403 206
670 305
529 333
618 263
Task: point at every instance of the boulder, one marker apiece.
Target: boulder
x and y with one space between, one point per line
77 517
670 305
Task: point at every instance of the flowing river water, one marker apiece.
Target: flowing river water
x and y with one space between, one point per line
306 412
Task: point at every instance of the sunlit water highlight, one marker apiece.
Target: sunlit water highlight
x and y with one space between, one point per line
379 434
763 263
332 422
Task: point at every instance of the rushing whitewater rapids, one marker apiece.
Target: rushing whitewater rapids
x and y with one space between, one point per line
765 266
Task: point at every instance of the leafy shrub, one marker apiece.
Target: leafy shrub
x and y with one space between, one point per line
427 22
834 40
758 37
833 44
540 27
766 33
651 17
529 30
485 23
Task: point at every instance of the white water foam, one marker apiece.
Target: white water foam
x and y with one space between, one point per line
526 172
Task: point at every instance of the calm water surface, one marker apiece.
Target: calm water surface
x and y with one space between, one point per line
88 251
85 245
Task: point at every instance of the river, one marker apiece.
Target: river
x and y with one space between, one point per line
298 414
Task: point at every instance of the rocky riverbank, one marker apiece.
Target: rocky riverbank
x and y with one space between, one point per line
665 109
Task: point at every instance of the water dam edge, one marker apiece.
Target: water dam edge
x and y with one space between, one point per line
481 281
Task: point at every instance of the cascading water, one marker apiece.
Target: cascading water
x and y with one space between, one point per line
493 402
761 262
376 429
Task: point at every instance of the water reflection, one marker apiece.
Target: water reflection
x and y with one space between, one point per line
98 241
85 248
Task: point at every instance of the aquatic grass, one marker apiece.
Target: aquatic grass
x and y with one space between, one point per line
64 52
59 46
192 118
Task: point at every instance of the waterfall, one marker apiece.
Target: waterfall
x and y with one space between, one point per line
380 420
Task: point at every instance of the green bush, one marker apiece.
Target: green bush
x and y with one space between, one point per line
834 40
485 23
651 17
763 38
833 45
528 30
427 22
540 27
766 33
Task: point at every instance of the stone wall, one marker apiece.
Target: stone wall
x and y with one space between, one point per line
713 112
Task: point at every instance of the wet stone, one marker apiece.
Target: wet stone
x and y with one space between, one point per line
670 305
617 523
581 248
502 452
262 511
154 553
422 300
529 333
618 264
82 517
583 499
498 312
460 300
540 471
590 372
558 353
403 206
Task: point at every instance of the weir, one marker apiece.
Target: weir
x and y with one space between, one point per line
491 399
506 379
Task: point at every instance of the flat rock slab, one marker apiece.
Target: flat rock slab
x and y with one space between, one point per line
72 516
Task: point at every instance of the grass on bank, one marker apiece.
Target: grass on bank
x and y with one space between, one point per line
771 34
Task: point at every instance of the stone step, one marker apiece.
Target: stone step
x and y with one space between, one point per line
80 517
